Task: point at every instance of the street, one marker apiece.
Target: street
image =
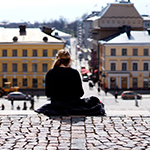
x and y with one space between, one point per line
125 125
109 100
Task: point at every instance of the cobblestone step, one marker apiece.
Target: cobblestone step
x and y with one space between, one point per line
36 131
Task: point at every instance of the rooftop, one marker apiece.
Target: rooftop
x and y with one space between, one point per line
136 37
33 35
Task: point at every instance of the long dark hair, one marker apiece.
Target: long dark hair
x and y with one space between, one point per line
62 57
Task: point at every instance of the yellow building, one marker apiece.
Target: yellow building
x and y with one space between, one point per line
113 19
26 54
125 60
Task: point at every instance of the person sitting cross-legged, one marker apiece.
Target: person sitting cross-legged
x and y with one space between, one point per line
63 86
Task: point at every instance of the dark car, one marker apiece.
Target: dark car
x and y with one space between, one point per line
130 95
18 96
85 78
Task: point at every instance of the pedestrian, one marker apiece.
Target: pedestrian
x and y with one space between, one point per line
116 95
99 83
91 85
98 89
32 103
24 106
2 107
37 97
106 91
63 85
18 107
12 103
136 102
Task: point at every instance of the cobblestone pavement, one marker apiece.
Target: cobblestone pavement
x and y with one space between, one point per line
39 132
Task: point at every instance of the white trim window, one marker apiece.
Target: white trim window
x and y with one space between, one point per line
135 52
4 67
14 67
24 67
4 52
44 52
14 52
24 52
135 66
44 67
124 52
34 53
145 52
112 66
113 52
124 65
34 67
55 52
145 65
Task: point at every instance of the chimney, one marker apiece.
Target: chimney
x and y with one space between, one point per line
47 30
22 29
128 30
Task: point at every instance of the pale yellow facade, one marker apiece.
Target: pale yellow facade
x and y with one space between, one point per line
25 63
125 65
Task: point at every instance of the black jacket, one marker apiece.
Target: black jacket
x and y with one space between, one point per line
63 84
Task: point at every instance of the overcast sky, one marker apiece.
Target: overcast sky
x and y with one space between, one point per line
46 10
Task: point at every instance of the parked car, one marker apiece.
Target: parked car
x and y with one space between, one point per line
130 95
18 96
85 78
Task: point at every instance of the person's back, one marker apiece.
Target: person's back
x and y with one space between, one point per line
63 84
64 87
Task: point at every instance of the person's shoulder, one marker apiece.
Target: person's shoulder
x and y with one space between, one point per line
73 70
50 71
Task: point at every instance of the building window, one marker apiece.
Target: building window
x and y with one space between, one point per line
145 52
113 52
145 82
24 67
145 66
34 53
124 66
3 81
14 82
135 52
113 67
44 67
135 66
54 52
34 67
135 82
43 84
44 52
4 53
124 52
4 67
34 83
24 53
14 53
14 67
24 82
